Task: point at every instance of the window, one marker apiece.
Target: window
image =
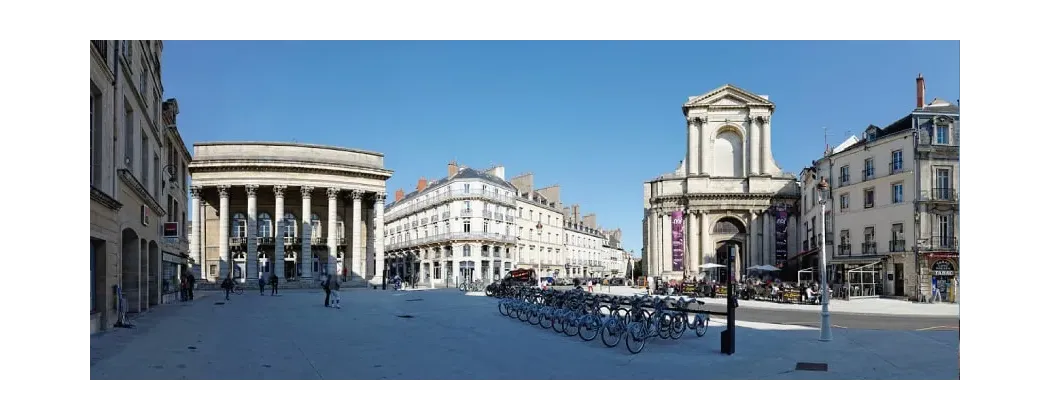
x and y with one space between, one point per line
466 188
844 202
239 228
466 226
898 193
129 142
290 223
828 222
897 231
942 134
125 48
466 205
844 237
96 155
548 219
896 161
466 250
144 168
943 179
869 168
519 211
869 198
844 175
530 215
316 229
945 228
142 83
485 227
156 175
263 226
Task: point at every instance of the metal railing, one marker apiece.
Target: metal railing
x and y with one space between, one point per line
943 243
486 214
925 139
868 248
446 215
845 249
465 212
897 245
843 180
896 167
452 195
434 218
499 216
940 194
869 173
454 236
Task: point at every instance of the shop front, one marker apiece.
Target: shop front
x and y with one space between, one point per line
172 266
944 279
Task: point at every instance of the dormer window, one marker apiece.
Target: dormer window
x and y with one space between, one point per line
871 135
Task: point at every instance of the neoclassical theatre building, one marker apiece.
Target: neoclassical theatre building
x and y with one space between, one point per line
296 210
727 202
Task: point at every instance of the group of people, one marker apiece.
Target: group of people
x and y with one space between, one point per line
186 286
227 285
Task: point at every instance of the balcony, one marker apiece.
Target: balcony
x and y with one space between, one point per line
897 245
434 218
419 205
944 243
455 236
415 223
499 216
948 195
845 249
843 180
446 215
925 139
318 240
896 167
869 173
466 212
485 253
868 248
486 214
102 48
510 218
264 240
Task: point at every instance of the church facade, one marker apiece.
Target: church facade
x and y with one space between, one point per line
728 202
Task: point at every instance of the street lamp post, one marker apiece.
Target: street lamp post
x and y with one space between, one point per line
825 317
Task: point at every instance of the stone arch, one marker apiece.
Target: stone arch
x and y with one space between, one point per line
129 270
726 224
728 152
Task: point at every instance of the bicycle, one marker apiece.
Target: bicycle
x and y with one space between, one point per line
680 320
657 325
238 288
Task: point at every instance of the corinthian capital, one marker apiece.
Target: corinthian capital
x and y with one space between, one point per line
278 190
195 191
333 193
356 195
251 189
224 191
306 190
381 197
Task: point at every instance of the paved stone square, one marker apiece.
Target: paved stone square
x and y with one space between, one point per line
453 336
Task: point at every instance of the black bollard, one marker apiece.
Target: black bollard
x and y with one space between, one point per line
729 335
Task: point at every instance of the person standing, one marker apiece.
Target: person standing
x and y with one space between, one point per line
183 284
191 282
273 284
327 291
335 292
262 285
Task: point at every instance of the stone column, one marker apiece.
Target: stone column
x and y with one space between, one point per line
195 232
278 232
306 257
224 231
770 239
694 242
767 152
333 202
753 227
251 261
665 231
705 228
355 240
377 238
754 147
693 151
702 152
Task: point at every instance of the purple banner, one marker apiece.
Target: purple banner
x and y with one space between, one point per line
780 232
677 243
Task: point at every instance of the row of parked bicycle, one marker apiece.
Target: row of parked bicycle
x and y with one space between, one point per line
575 312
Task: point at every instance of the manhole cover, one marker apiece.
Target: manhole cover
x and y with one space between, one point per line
816 367
405 316
413 300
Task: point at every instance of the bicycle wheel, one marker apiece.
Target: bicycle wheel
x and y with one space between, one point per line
546 321
558 326
572 326
678 325
523 314
590 327
534 317
663 326
701 324
636 335
503 308
611 332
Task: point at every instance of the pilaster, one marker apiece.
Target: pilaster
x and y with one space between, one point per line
195 232
251 258
224 231
278 232
306 257
377 238
356 265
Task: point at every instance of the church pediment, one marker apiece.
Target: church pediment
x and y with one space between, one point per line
728 95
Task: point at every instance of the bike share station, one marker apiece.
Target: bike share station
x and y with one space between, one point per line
639 318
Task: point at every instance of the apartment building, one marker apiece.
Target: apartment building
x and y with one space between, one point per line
459 228
540 229
583 243
892 211
138 182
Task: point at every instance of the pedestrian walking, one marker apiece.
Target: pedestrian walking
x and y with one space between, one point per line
191 282
273 284
227 286
327 291
183 285
262 285
590 286
335 293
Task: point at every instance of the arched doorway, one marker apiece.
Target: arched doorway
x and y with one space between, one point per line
730 237
129 268
153 288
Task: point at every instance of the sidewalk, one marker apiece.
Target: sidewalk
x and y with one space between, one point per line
855 306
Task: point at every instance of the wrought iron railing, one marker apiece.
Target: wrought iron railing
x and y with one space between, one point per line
868 248
943 243
896 166
897 245
845 249
940 194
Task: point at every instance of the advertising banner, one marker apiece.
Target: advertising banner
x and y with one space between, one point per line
780 232
677 241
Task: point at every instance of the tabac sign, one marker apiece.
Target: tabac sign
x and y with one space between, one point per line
943 268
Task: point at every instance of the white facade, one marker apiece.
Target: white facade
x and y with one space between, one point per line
726 186
540 235
893 204
583 246
456 229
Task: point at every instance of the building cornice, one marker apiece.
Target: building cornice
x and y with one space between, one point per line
212 166
140 191
280 143
104 199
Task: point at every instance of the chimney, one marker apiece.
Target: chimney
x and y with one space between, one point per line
920 91
399 195
421 184
453 168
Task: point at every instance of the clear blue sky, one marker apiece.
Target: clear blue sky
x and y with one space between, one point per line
598 118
